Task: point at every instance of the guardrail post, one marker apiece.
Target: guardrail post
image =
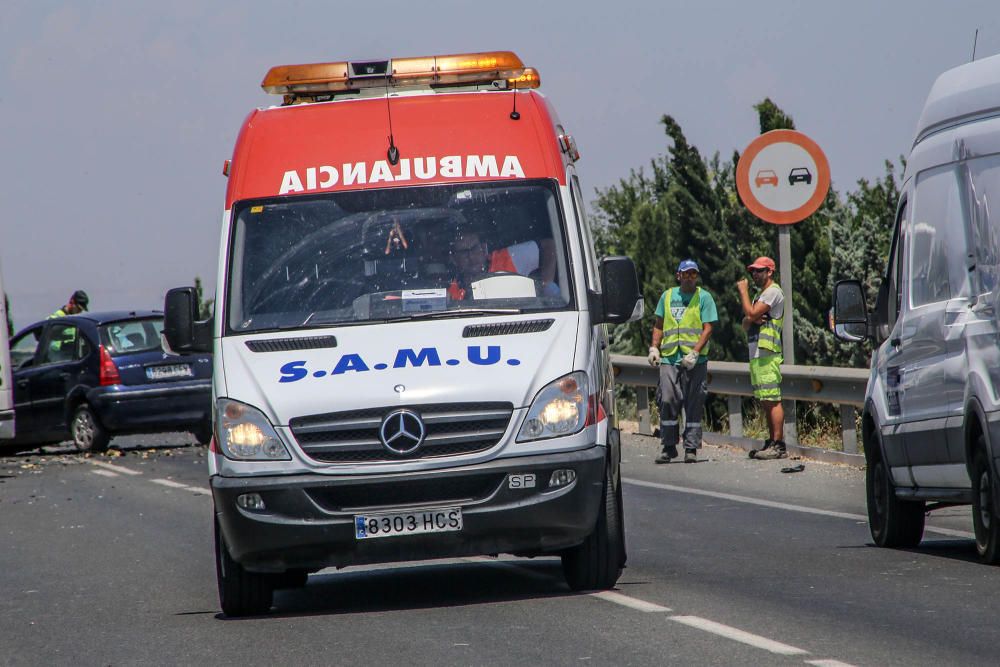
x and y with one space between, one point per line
848 424
642 407
736 416
791 432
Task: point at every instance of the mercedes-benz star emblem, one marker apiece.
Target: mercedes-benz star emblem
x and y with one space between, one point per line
402 431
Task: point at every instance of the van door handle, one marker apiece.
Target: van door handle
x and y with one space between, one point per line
65 376
22 383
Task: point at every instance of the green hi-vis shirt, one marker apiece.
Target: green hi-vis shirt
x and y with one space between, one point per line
679 302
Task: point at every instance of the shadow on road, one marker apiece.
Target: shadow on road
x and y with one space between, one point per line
421 586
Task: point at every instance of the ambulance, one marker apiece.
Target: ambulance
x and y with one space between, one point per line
410 336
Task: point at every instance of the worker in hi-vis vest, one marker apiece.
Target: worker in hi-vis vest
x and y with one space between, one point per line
684 319
762 319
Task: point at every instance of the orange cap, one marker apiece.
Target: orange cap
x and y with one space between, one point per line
762 263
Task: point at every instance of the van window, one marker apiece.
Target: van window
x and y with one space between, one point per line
985 177
937 255
896 264
587 237
398 253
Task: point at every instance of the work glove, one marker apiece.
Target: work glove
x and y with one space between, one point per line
689 360
654 357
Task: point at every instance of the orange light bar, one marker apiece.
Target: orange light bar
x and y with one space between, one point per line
467 68
315 78
530 79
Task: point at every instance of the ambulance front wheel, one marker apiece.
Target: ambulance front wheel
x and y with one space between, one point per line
241 593
597 563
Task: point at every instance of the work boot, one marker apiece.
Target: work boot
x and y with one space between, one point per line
777 451
690 456
755 453
668 454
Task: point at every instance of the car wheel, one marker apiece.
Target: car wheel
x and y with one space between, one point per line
88 433
203 434
892 522
241 593
596 564
984 519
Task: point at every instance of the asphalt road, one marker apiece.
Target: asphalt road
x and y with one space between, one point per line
108 560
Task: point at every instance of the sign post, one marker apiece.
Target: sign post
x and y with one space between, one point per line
783 177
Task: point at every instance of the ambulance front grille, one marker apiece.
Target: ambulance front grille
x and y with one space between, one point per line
353 436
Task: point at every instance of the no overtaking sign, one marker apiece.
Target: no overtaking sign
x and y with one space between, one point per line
783 177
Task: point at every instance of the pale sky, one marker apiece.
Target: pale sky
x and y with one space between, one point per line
116 117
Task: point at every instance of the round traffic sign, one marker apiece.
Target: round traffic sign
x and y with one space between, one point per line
783 176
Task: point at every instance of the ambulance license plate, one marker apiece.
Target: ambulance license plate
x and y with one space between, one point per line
442 520
169 371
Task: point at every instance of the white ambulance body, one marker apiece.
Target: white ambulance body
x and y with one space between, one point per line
410 345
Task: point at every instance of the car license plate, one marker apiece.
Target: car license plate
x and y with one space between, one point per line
169 371
443 520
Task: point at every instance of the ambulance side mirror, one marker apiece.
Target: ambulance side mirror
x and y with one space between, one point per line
182 331
620 300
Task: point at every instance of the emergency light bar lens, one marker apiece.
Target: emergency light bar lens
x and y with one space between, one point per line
470 68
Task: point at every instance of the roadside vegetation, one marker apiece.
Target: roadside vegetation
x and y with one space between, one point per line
685 204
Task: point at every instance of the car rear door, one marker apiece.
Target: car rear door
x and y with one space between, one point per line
62 360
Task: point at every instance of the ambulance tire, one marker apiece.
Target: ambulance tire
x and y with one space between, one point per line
203 433
985 521
596 564
89 435
893 523
241 593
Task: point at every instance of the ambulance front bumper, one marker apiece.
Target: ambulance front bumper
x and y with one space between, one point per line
311 521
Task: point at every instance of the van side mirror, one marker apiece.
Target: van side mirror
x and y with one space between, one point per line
620 300
181 328
850 311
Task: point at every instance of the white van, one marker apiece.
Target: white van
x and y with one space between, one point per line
931 421
410 334
6 390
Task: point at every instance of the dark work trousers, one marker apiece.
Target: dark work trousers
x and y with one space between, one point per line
682 388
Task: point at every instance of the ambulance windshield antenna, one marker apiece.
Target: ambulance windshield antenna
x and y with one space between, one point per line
514 115
975 39
393 152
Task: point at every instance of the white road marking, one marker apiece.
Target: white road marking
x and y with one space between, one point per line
739 635
783 506
105 473
198 489
110 466
828 663
630 602
169 482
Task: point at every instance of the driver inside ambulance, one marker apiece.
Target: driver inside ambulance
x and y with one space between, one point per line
473 259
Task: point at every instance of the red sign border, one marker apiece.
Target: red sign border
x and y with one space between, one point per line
743 177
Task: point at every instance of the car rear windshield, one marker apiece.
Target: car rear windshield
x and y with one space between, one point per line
130 336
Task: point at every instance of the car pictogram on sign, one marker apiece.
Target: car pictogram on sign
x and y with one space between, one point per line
766 177
800 175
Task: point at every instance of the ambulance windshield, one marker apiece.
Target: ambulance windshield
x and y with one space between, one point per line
397 253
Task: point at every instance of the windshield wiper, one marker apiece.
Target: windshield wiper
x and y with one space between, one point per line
459 312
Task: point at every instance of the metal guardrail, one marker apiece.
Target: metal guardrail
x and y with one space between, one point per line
822 384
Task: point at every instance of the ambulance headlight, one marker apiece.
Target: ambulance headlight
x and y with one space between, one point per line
245 434
560 408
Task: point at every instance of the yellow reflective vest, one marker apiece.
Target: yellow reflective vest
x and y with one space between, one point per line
683 334
769 337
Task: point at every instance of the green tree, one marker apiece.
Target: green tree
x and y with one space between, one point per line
205 306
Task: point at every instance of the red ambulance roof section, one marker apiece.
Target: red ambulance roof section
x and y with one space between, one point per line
332 146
